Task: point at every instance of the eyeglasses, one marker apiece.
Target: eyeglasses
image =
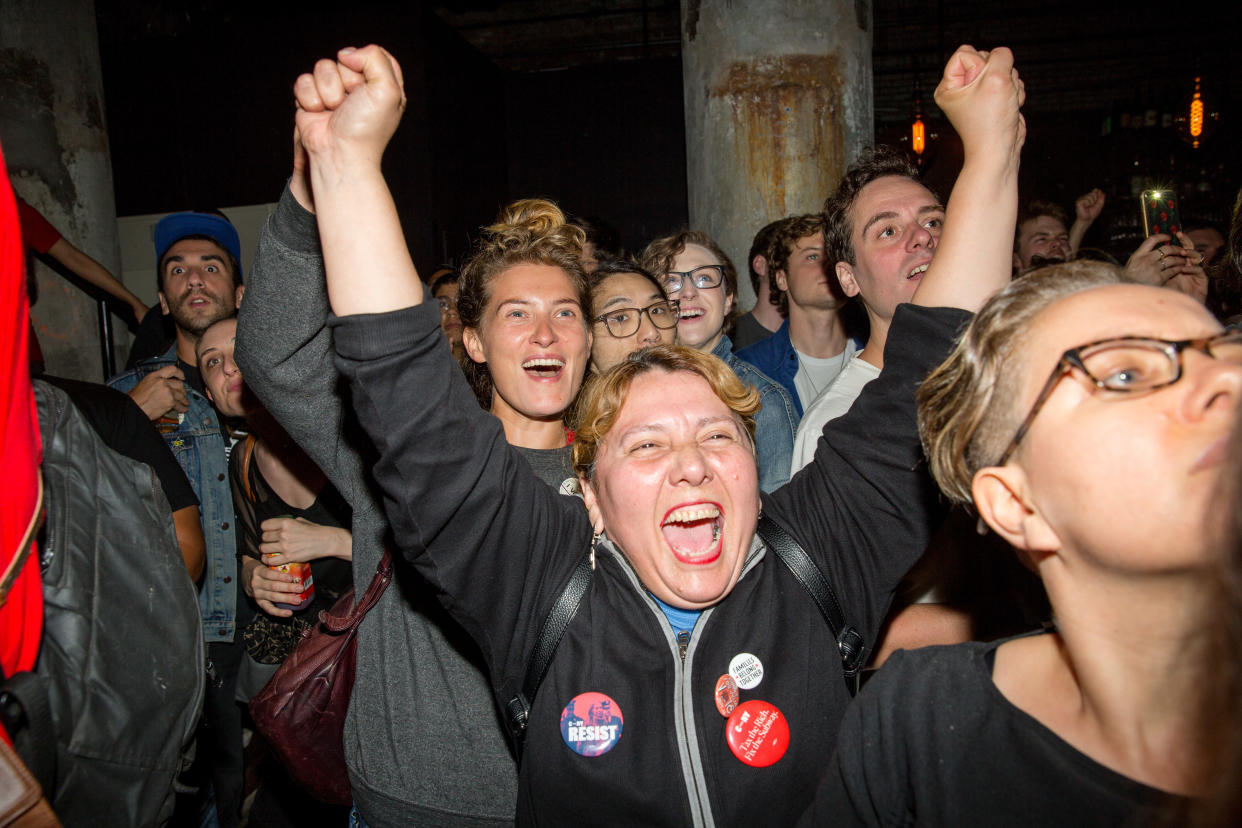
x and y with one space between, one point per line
706 276
1129 365
447 303
623 322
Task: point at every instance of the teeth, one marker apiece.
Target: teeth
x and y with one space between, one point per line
920 269
692 513
543 363
691 314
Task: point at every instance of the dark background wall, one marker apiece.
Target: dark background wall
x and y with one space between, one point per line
199 109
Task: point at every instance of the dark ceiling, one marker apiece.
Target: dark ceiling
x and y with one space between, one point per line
1075 56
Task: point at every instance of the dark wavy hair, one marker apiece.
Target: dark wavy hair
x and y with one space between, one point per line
877 162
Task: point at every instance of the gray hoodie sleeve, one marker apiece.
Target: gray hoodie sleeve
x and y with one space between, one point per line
284 348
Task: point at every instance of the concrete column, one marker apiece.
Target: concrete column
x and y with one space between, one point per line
56 149
778 102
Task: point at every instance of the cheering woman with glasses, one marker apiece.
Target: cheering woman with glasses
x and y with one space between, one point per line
629 311
1086 420
693 270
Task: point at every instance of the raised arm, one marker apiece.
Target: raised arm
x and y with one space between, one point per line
1087 208
865 506
348 109
981 94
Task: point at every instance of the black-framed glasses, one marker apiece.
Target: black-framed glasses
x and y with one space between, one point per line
1128 365
702 277
623 322
447 303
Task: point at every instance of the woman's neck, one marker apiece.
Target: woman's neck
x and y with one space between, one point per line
1121 679
526 432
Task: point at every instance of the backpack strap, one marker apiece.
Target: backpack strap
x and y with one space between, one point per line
849 641
517 709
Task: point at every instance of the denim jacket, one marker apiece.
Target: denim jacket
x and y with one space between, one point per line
775 424
198 444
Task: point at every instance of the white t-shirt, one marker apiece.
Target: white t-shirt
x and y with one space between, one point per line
834 401
815 374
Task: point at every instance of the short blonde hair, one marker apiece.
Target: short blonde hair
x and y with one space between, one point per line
603 395
966 406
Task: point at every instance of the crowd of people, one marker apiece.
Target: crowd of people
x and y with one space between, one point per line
948 455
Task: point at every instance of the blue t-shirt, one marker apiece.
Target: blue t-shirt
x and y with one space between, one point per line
681 620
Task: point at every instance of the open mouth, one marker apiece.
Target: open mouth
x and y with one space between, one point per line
691 313
693 532
918 271
544 367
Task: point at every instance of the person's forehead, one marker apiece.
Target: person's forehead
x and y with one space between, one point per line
1121 310
660 397
1208 235
194 249
890 193
816 239
1043 224
446 289
219 336
624 286
694 255
526 282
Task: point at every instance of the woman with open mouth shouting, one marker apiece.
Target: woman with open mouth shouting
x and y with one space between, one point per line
523 304
697 682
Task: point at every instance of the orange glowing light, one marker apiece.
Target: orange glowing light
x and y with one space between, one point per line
918 136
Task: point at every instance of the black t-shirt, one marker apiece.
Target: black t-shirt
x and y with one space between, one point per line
125 429
931 740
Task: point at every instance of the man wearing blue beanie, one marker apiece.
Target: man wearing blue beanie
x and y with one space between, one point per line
200 283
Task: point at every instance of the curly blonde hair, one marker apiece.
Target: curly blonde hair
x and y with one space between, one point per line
529 231
966 406
603 395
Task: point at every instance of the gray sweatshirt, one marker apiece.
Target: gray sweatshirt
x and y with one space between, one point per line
423 740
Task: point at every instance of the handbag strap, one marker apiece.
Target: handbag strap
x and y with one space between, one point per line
517 710
849 641
247 456
375 590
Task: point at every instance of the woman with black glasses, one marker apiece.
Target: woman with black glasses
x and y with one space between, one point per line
694 270
629 310
1086 420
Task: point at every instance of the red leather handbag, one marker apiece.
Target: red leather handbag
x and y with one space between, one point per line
301 710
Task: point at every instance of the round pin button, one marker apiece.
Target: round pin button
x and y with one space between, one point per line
726 694
758 733
747 670
591 724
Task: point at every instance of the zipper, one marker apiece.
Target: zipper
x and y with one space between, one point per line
683 641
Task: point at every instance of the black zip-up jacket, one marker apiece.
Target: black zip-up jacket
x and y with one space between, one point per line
863 510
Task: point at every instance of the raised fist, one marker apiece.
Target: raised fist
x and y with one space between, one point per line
982 96
1087 207
349 108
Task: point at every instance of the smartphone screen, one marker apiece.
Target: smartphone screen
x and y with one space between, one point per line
1160 214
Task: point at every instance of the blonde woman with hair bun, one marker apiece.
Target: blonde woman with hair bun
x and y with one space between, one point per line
524 303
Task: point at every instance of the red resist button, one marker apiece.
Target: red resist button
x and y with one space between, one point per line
591 724
758 733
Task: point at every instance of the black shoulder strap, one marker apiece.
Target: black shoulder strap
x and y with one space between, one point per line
849 640
517 710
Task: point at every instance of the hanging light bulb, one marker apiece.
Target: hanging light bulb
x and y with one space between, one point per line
1196 116
1200 117
918 135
